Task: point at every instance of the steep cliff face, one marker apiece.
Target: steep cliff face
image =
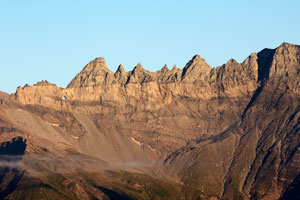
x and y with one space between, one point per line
229 132
285 68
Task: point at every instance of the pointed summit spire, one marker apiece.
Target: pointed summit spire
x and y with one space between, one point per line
195 69
93 74
165 68
138 67
121 75
121 69
232 61
196 57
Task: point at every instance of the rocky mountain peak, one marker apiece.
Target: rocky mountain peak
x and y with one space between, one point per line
44 83
231 61
285 64
140 75
196 57
98 64
138 67
164 68
99 60
121 75
287 48
287 45
195 70
121 69
93 74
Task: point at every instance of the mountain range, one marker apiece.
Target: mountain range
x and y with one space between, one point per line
229 132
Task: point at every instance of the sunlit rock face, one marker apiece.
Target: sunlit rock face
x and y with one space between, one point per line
229 132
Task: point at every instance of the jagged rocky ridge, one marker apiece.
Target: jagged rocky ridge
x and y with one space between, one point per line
196 71
228 132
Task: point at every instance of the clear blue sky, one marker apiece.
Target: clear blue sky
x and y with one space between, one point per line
54 39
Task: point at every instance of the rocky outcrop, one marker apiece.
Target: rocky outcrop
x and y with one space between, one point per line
233 73
120 75
93 74
44 83
285 66
3 97
196 70
169 76
140 75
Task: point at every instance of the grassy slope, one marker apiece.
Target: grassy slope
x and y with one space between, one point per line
108 185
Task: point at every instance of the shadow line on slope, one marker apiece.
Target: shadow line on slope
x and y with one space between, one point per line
293 190
12 184
112 195
11 152
264 62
